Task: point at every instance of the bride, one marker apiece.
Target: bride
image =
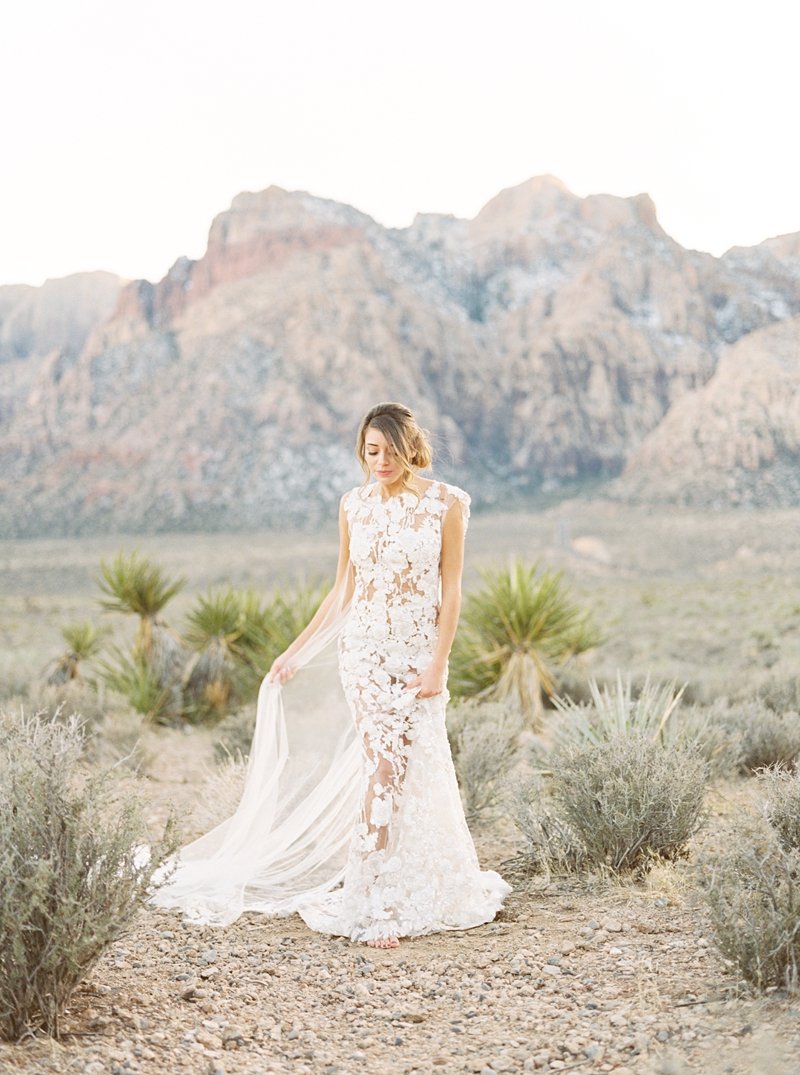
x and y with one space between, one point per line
411 866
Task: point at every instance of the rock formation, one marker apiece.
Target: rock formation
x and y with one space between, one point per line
542 341
46 327
735 441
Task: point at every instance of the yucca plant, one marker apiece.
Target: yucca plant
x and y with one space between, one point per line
514 632
216 632
132 677
236 635
616 712
133 584
84 642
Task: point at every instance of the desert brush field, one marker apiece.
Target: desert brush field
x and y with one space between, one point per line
586 970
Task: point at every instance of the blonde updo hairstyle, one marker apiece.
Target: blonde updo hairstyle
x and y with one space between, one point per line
409 443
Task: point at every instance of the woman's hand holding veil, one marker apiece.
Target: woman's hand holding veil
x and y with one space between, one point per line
282 670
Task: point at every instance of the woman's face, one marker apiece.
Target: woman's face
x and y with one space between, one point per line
382 463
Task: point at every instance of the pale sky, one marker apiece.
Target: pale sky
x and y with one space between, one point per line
125 127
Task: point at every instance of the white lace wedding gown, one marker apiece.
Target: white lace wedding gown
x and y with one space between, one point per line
411 867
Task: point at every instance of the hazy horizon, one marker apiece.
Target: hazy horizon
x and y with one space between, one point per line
128 127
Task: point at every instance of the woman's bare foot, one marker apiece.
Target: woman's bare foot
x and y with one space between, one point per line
384 942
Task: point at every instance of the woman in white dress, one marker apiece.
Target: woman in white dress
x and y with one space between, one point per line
411 866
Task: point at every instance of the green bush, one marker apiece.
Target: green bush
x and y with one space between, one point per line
235 636
752 893
513 633
72 871
84 641
133 584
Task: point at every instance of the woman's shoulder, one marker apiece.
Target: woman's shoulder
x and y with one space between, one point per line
448 495
352 498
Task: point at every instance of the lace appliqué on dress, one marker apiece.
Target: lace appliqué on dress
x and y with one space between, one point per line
412 867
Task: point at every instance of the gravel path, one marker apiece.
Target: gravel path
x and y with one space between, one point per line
632 986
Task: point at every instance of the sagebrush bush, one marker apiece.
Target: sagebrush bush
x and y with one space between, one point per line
752 892
483 739
72 867
782 806
551 845
781 695
766 738
619 804
113 732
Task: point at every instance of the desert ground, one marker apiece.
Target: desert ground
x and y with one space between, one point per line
583 975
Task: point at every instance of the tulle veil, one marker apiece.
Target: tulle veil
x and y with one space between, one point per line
288 840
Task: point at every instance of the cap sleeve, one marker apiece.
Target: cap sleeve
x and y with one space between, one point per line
453 494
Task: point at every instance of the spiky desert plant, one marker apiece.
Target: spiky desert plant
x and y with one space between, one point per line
84 642
74 868
216 632
132 677
514 632
133 584
618 711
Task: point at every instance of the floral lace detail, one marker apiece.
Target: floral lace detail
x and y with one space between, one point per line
412 866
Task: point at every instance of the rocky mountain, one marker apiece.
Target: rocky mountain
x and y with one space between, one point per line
736 440
46 327
542 341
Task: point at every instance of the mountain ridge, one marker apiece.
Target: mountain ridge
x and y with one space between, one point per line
543 341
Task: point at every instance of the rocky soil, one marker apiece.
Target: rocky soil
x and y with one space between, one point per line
576 975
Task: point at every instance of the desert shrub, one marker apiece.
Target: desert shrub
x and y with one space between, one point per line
235 734
619 804
72 872
216 632
513 633
781 695
766 738
551 844
782 805
483 739
221 793
132 677
84 642
628 800
112 731
618 711
752 893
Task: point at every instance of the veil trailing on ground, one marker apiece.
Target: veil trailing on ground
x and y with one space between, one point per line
288 840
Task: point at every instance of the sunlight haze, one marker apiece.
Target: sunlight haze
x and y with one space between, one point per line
127 127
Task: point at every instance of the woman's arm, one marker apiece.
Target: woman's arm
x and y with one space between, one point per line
434 679
282 668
